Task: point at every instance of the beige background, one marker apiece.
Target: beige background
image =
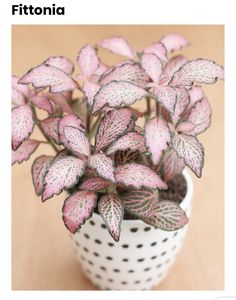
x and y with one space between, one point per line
43 257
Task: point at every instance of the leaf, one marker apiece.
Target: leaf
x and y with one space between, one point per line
90 89
20 92
166 95
24 151
171 165
111 209
200 115
192 152
77 209
103 165
185 127
50 128
199 70
94 184
22 124
174 64
158 49
157 138
116 93
42 102
45 75
88 60
60 101
174 41
182 102
118 45
122 157
152 65
112 126
76 141
138 175
195 93
63 173
61 63
140 202
168 216
131 140
130 72
38 170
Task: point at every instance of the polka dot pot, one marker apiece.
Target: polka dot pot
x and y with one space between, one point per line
139 261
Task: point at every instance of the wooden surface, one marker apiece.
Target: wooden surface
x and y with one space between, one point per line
43 257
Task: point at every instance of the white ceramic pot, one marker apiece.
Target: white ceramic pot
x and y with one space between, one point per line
139 261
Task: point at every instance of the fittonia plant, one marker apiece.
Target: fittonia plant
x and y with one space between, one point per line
110 162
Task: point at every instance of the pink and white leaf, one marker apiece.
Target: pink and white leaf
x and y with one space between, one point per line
140 202
63 173
20 92
190 150
117 93
45 75
88 60
76 141
166 95
138 175
24 151
60 100
77 209
122 157
90 89
174 64
182 103
171 165
22 124
50 128
112 126
158 49
42 102
157 138
60 62
174 41
118 45
103 165
38 170
199 70
195 93
152 65
168 216
111 209
101 69
131 140
185 127
94 184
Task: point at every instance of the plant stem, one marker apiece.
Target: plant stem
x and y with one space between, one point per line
157 108
148 102
94 127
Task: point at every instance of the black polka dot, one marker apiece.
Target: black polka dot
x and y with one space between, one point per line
149 279
124 282
82 257
131 271
92 222
77 243
158 266
175 233
110 280
98 276
139 246
154 257
85 249
103 268
110 244
125 259
116 270
134 229
153 244
103 226
109 258
163 253
86 235
97 241
147 228
95 254
165 240
146 269
90 262
140 259
137 282
88 271
167 261
125 246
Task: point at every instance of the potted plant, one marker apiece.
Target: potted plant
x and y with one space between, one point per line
128 195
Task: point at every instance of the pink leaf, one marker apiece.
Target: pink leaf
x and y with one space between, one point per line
157 137
94 184
118 45
137 176
76 141
174 41
185 127
45 75
168 216
172 165
77 209
166 95
152 65
59 100
61 63
88 60
174 64
116 93
158 49
131 72
103 165
182 102
111 209
192 152
20 92
140 202
42 102
90 89
63 173
39 168
122 157
112 126
24 151
131 140
50 128
199 70
101 69
195 93
200 116
22 124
